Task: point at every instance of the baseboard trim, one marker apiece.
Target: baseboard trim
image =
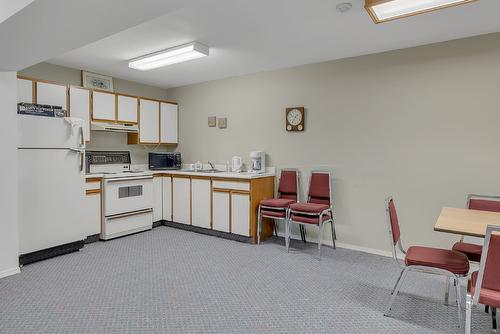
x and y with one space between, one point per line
9 272
205 231
348 246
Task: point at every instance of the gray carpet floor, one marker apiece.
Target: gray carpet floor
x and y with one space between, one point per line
172 281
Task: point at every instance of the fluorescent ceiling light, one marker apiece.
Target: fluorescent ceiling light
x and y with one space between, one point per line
170 56
386 10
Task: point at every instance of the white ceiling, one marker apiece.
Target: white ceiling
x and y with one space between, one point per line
259 35
10 7
47 28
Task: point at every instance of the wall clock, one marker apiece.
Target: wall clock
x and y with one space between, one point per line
295 118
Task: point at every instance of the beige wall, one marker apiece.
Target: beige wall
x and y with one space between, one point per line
103 140
421 124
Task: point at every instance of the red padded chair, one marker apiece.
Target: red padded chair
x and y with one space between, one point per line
484 285
483 203
277 208
448 263
318 210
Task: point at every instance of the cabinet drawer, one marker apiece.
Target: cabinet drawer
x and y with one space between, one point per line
93 184
232 185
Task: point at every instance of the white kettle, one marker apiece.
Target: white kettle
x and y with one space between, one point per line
236 164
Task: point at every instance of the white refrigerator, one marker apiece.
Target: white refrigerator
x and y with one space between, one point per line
51 153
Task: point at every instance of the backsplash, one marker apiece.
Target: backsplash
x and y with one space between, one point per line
113 141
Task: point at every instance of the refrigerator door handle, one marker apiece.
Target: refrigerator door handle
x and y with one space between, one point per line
82 154
82 138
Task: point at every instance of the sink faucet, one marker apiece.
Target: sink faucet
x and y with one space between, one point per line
211 165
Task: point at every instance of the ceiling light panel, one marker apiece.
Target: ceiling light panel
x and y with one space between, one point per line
387 10
170 56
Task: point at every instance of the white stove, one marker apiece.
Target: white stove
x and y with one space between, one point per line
127 194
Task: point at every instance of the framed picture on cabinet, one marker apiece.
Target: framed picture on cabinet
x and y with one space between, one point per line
97 81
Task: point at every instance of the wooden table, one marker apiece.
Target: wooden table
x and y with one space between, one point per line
466 222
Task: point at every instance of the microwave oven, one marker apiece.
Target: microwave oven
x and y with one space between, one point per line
167 160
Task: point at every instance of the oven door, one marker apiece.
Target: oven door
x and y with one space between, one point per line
122 195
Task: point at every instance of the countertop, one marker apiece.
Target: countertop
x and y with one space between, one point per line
229 175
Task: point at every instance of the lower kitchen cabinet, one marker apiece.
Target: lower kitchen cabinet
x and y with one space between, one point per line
240 214
181 201
167 198
222 204
221 210
157 198
201 202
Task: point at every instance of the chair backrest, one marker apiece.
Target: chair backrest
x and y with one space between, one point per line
483 202
392 220
289 184
320 189
489 270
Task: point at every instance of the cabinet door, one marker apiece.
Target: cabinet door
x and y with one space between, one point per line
168 123
149 121
240 214
157 199
127 109
200 202
181 210
220 219
103 106
24 91
55 95
79 99
167 198
93 214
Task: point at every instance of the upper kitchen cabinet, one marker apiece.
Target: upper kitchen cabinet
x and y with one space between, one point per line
168 123
25 90
149 122
79 102
126 109
103 106
157 123
52 94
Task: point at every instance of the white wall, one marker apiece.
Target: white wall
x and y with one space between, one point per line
9 263
421 124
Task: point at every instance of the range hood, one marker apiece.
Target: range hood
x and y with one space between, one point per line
114 127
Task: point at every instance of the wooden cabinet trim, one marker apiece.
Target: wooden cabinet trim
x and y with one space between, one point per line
93 179
92 192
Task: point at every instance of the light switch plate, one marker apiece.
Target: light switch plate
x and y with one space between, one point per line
222 123
212 121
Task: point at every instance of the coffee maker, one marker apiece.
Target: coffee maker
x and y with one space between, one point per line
258 159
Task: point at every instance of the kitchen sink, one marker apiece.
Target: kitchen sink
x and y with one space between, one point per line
209 171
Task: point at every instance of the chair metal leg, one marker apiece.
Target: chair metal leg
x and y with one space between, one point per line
302 233
486 309
396 291
399 278
459 300
259 225
288 229
321 228
275 227
494 318
447 292
468 314
333 235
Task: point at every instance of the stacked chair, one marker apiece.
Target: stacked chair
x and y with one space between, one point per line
277 208
317 211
